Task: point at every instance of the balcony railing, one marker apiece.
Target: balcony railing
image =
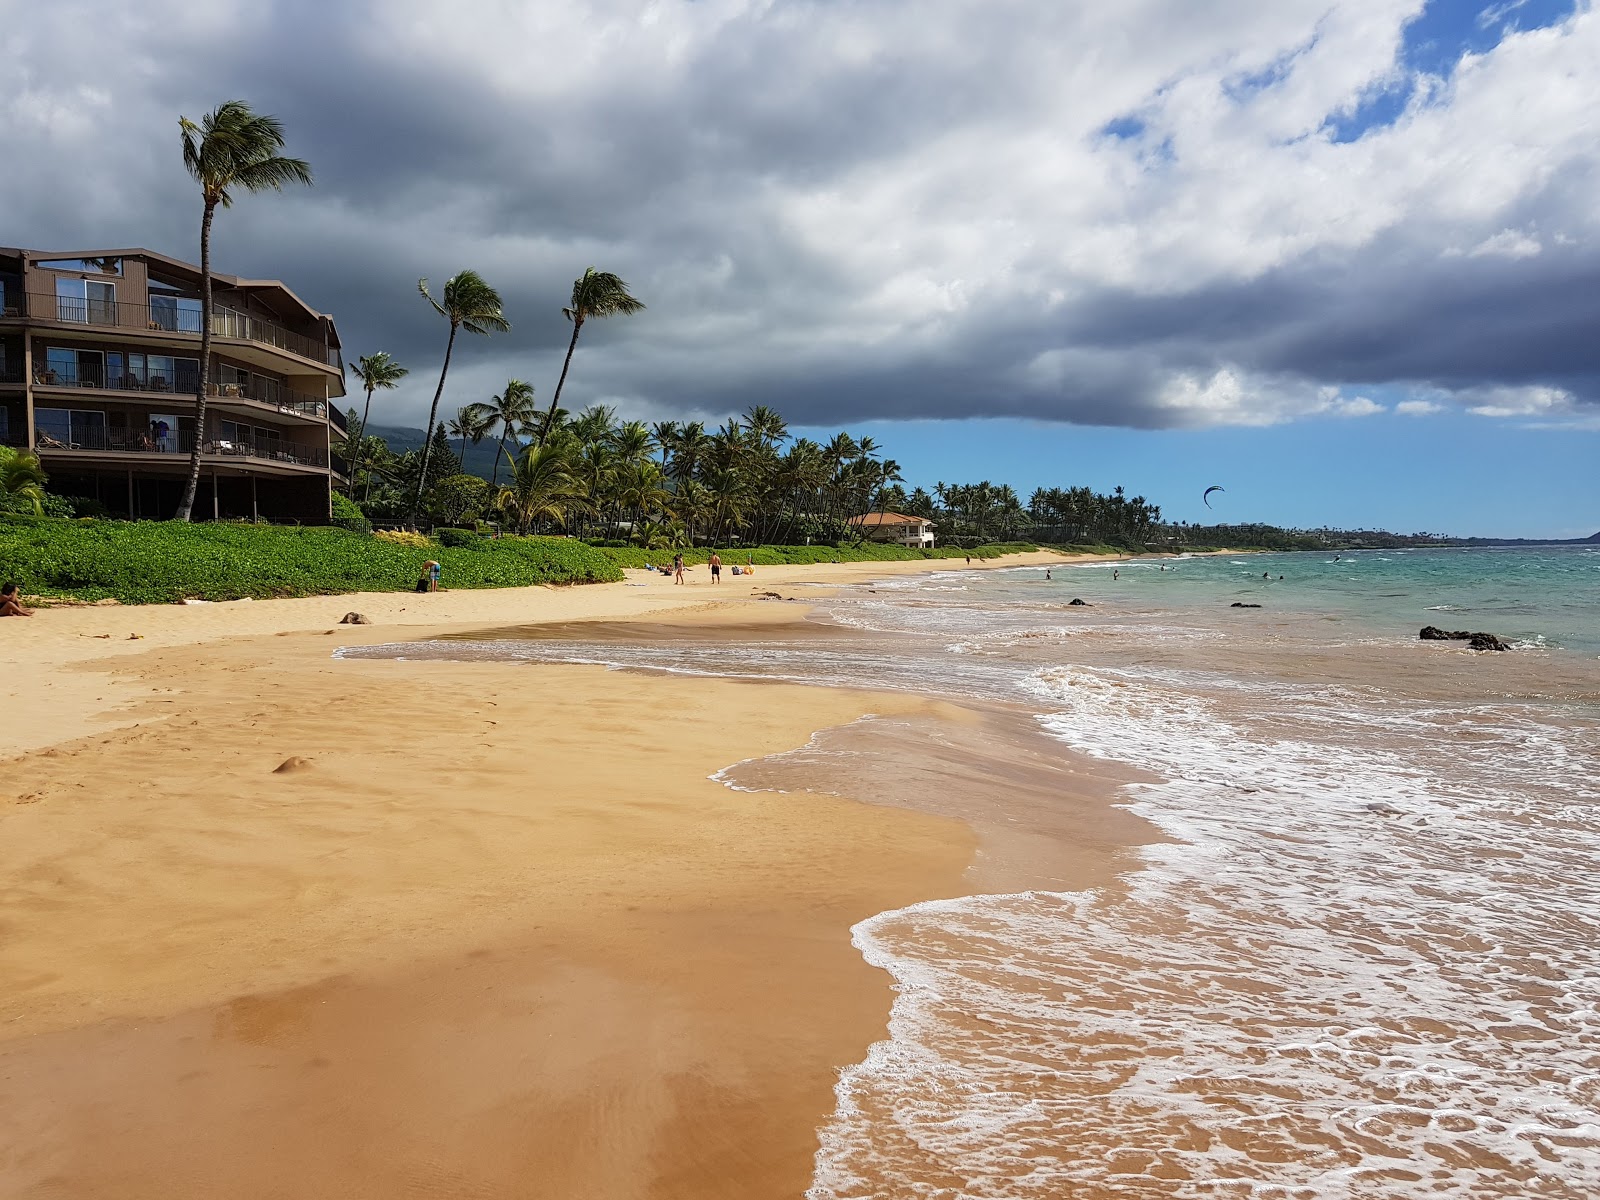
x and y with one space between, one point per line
225 323
11 374
138 442
261 390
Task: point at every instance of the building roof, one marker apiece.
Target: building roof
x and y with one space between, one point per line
178 265
874 519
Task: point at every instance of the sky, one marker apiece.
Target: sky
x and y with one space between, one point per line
1340 256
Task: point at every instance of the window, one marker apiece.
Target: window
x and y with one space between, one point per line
86 301
74 368
163 373
101 266
172 312
70 428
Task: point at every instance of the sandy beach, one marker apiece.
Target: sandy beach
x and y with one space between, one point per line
280 924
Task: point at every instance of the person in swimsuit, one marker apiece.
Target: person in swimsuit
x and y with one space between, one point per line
11 602
677 568
716 567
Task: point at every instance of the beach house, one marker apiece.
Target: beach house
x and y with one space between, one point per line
895 527
100 363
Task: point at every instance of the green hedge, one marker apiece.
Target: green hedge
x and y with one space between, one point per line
147 562
778 556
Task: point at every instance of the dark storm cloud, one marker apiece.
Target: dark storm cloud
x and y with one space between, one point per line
874 210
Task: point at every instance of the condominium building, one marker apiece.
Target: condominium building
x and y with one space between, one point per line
100 363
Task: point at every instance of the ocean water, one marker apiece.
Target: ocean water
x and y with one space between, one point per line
1364 961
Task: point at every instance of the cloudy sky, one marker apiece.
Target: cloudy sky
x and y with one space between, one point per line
1141 242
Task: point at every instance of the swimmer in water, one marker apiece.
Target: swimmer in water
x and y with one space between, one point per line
1113 574
1047 572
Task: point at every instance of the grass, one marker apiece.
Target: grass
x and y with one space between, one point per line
156 562
779 556
161 562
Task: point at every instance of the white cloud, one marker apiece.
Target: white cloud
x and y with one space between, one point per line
1418 408
1508 243
885 208
1519 402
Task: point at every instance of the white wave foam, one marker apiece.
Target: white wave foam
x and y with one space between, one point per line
1304 996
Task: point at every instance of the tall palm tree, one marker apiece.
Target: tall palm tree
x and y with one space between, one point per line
469 303
232 148
375 372
21 478
594 294
513 410
541 489
470 425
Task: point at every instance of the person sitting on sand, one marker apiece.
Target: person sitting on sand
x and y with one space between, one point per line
750 564
11 602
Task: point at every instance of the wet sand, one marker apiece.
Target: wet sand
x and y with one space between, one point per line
282 925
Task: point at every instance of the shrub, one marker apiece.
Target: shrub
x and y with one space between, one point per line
457 537
347 514
146 562
403 537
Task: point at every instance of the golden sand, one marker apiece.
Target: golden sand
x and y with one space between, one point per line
278 925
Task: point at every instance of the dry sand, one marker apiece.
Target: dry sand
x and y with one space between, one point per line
276 925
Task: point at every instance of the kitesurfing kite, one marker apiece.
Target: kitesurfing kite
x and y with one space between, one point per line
1206 495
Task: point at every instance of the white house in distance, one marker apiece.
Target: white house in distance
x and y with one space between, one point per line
895 527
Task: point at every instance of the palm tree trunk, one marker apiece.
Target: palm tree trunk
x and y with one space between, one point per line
427 434
361 444
186 505
549 419
499 449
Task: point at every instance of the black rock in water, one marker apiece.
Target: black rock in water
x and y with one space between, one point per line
1475 641
1076 603
1242 604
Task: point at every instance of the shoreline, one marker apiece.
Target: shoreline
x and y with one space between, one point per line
483 923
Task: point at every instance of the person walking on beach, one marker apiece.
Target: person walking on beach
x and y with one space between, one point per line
677 567
716 567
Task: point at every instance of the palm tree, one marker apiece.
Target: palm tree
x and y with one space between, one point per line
541 488
231 148
594 294
513 410
469 424
467 303
21 478
375 372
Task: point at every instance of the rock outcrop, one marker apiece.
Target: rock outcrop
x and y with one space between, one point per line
1242 604
1475 641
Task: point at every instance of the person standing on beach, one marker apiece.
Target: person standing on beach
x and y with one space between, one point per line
677 567
716 567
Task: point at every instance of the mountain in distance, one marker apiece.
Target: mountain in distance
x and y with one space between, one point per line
1592 540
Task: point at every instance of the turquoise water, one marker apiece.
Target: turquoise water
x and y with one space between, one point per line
1546 596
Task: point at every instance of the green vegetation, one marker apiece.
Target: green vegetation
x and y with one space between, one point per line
156 562
778 556
153 562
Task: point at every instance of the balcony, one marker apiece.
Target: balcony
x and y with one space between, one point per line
97 439
257 389
225 323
